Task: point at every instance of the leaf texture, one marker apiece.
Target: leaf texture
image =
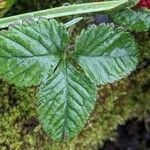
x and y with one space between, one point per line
65 102
138 21
30 52
106 54
38 52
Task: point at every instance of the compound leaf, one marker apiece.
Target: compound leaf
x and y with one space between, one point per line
37 52
30 52
138 20
106 54
65 102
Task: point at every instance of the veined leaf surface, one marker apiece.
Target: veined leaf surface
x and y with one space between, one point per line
66 100
29 52
132 20
106 54
38 52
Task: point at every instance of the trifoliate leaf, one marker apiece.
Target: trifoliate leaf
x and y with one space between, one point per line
65 102
138 20
106 54
29 52
39 51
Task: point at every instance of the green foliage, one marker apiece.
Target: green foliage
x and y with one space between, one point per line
133 20
131 3
128 98
66 101
116 103
39 53
65 11
105 52
31 52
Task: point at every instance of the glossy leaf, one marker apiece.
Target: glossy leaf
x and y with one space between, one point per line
29 52
106 54
65 102
37 52
138 20
65 11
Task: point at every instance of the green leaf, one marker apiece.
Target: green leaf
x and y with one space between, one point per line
65 102
30 52
73 22
38 52
138 20
65 11
106 54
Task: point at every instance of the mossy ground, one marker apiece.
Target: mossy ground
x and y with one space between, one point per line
116 103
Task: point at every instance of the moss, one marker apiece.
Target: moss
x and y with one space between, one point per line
15 108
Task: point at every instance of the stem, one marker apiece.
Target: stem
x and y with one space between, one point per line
65 11
73 22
